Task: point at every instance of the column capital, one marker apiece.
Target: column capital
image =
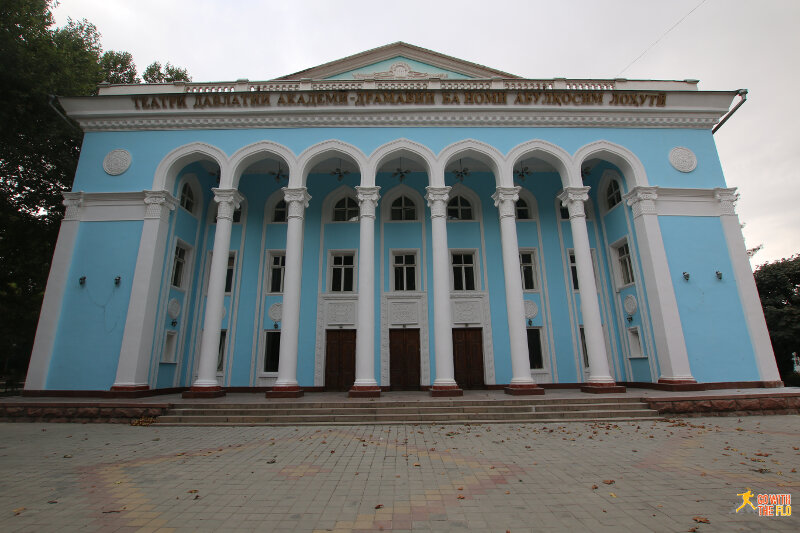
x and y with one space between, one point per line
367 200
727 199
437 200
296 201
73 202
156 202
573 198
228 200
505 199
642 200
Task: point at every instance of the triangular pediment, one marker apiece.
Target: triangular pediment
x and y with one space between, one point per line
398 61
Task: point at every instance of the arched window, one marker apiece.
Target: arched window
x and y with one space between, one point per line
523 211
187 198
613 194
459 208
279 213
404 209
345 210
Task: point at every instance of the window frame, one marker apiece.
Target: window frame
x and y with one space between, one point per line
616 195
187 187
573 268
535 266
540 329
345 199
186 264
170 352
392 276
475 270
271 255
332 254
623 264
222 351
634 333
403 207
460 208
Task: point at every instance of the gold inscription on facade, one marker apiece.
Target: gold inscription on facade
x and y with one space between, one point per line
383 98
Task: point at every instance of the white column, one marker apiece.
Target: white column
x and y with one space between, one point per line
137 339
365 384
228 200
445 383
54 294
286 384
748 293
573 198
673 358
505 199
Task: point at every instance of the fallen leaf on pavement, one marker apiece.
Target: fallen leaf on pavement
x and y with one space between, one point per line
701 519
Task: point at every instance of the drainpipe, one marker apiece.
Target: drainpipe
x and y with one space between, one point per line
743 96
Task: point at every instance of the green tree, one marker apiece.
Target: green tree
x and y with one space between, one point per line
118 67
779 289
170 73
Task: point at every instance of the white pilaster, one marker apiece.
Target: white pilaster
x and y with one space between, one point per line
573 198
442 314
748 293
137 339
54 294
505 199
228 200
673 358
365 383
296 202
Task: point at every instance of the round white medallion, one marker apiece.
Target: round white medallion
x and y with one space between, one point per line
683 159
275 312
630 304
531 309
174 308
116 162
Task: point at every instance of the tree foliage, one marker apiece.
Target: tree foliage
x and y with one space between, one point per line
39 151
779 288
170 73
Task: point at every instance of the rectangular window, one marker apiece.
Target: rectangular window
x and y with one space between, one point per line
229 272
277 265
583 348
635 343
527 265
535 348
272 348
179 265
170 346
573 268
342 272
223 335
625 266
405 271
463 272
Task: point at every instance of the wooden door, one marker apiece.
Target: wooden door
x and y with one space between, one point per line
404 359
468 357
340 359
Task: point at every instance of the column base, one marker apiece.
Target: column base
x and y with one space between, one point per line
364 391
524 389
204 392
444 391
285 391
602 388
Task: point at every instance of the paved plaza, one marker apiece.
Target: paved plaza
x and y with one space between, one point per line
675 475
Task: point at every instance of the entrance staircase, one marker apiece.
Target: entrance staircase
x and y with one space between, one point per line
356 412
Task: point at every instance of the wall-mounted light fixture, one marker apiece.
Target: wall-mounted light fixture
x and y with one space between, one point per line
686 276
275 325
117 280
174 322
629 318
530 322
82 280
719 274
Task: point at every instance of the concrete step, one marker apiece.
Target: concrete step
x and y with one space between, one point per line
591 406
468 422
350 411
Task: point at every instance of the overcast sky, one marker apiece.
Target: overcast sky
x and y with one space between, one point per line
726 45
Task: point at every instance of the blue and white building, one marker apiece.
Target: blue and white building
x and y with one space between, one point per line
399 219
